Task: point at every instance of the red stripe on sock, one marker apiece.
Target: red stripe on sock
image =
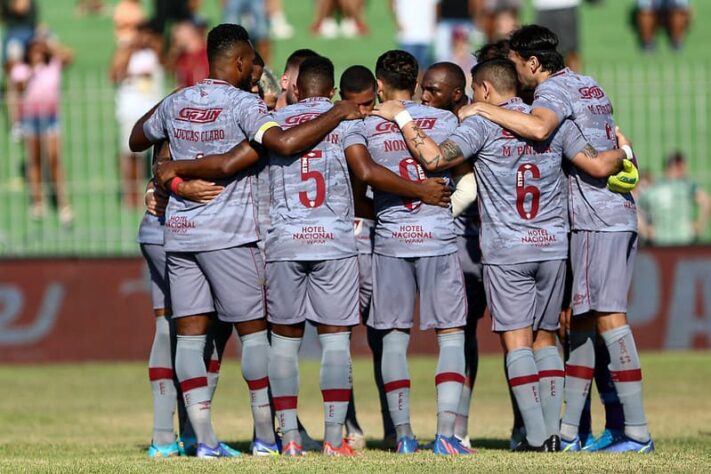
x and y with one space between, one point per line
213 366
190 384
634 375
159 373
258 384
449 377
579 371
396 384
551 373
285 403
516 381
336 395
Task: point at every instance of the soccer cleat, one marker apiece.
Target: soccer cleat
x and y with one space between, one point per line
572 446
356 441
607 438
344 450
406 445
292 448
260 448
628 445
308 443
586 440
553 444
188 446
164 451
517 435
523 447
219 451
449 446
466 442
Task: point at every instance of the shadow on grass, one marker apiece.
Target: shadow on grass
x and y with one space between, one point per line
491 443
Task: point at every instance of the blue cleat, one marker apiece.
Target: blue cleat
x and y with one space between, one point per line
517 435
406 445
572 446
260 448
449 446
188 446
628 445
219 451
164 451
586 440
606 439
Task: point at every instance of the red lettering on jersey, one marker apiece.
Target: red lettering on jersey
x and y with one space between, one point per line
391 127
194 115
301 118
593 92
506 134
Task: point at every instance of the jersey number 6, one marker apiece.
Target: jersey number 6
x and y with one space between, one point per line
306 175
522 191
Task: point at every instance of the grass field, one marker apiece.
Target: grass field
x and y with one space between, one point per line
97 418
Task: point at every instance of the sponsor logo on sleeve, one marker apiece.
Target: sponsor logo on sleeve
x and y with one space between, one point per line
593 92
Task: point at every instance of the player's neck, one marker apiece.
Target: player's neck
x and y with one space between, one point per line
397 95
497 99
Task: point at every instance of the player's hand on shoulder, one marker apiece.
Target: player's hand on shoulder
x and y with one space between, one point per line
470 110
199 190
388 109
347 110
436 192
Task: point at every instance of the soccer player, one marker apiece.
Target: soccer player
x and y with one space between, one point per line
443 87
523 235
603 242
415 248
288 79
212 253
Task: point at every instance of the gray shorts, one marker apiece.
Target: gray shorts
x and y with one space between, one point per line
365 269
323 292
663 4
156 260
525 294
443 302
564 23
470 258
229 281
603 264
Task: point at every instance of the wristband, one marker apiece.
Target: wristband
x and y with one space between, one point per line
174 183
403 118
628 151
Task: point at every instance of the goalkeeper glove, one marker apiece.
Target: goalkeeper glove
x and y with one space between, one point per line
624 181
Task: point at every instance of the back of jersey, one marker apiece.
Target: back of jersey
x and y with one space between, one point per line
311 207
592 206
406 227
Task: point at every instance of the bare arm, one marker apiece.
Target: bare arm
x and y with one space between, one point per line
538 125
138 141
599 164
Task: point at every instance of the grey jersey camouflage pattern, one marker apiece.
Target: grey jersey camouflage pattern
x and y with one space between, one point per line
521 189
151 229
209 118
591 205
406 227
311 208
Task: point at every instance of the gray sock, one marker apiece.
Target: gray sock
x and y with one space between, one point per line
160 373
336 383
579 370
213 372
461 424
551 377
192 374
255 361
523 380
449 380
396 380
284 382
626 373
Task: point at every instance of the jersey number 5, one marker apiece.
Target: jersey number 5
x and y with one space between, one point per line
405 165
306 175
522 191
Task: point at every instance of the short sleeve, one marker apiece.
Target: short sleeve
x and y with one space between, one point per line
354 133
154 127
253 117
552 96
470 136
573 141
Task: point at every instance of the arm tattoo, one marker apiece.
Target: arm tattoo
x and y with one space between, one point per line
450 150
417 142
590 151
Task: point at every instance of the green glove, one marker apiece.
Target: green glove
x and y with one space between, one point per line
624 181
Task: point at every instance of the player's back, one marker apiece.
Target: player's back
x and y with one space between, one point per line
406 227
311 208
581 99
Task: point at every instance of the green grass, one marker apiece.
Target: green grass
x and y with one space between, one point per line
97 418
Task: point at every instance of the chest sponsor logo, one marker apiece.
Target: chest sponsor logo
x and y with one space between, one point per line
391 127
593 92
196 115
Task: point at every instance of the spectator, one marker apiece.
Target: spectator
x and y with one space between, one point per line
561 17
668 206
279 25
461 53
352 18
187 56
500 18
137 70
453 15
415 22
252 15
19 18
652 13
39 80
90 7
128 15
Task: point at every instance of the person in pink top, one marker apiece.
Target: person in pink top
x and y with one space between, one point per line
39 80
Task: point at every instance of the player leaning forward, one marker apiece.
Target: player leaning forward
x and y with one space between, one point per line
603 242
213 260
523 234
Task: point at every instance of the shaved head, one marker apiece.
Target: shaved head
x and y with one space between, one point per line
443 86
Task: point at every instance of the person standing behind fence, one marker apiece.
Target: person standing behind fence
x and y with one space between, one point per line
415 22
668 206
674 14
561 17
187 56
39 81
252 15
453 17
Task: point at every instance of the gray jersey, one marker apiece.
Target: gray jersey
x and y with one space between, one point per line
591 205
311 208
364 230
151 229
466 224
521 189
407 227
209 118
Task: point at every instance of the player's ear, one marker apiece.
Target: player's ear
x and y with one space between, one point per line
534 64
487 89
380 89
332 93
296 92
457 95
284 81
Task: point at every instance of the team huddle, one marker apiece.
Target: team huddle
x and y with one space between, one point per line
345 213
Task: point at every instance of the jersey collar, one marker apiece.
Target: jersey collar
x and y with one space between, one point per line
208 81
315 99
513 100
565 70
